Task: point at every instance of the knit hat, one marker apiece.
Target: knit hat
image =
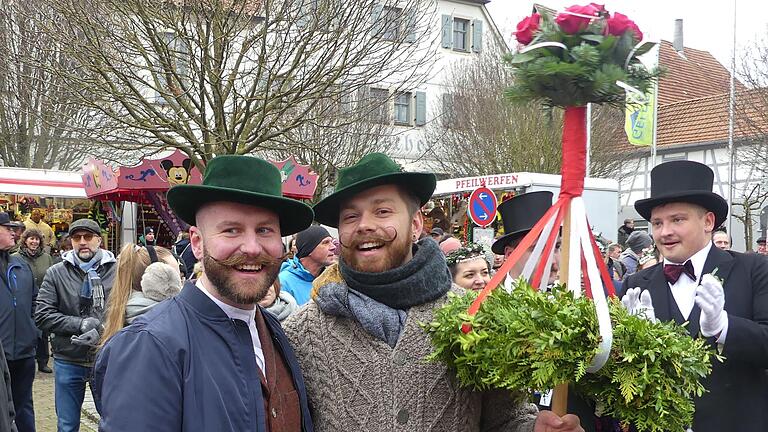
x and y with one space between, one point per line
160 281
449 245
638 241
307 240
148 230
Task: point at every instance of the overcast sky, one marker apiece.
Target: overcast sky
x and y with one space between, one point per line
707 25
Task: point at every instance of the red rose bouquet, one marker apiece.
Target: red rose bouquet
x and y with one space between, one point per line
580 55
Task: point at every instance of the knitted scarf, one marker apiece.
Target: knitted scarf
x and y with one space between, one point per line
92 291
378 300
25 251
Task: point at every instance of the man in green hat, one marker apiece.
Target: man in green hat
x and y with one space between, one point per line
210 359
360 343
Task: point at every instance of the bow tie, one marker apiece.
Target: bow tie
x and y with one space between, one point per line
673 271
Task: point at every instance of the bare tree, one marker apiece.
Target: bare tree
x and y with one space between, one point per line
218 77
480 132
751 201
38 112
752 107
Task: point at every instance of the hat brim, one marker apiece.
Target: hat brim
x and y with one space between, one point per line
502 242
422 185
709 200
186 200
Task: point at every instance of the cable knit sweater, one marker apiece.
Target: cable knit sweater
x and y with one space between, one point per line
356 382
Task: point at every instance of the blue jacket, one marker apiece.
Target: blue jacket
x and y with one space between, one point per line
296 280
17 306
183 366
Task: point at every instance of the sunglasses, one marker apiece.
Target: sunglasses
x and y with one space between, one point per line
85 236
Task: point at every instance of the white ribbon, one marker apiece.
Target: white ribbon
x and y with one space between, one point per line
542 45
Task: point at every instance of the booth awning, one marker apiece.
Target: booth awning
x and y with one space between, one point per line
51 183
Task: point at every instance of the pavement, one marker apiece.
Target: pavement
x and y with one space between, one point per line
45 411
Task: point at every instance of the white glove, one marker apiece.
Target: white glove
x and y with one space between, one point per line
710 298
639 304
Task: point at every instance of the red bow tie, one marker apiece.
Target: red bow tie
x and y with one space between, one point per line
673 271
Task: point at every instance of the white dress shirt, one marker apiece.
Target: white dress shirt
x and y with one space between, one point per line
684 290
249 316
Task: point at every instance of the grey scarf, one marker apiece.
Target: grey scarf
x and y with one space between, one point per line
422 279
378 300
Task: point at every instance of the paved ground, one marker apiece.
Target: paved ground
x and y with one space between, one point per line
45 413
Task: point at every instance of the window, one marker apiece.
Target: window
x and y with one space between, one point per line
403 109
379 101
460 34
391 23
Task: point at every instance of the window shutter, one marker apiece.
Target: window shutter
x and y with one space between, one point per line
421 108
447 31
377 23
410 25
477 36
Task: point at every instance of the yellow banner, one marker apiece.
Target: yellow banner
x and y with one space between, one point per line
639 118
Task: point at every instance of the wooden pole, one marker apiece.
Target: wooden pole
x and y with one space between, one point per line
560 394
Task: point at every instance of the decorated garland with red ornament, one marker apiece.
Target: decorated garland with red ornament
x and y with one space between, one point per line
526 339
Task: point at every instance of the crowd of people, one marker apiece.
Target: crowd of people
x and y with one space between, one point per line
233 329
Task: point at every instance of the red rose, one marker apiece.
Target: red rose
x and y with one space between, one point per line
573 24
526 28
619 24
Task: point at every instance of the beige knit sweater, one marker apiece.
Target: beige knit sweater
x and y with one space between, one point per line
358 383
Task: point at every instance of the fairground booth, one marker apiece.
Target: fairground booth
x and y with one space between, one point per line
452 196
133 198
58 196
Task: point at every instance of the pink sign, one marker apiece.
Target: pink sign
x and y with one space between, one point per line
298 180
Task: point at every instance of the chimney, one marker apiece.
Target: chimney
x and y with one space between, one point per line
677 41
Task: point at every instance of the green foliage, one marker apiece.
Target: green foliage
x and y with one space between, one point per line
531 341
585 71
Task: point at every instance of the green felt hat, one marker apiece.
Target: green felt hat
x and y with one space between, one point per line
245 180
375 169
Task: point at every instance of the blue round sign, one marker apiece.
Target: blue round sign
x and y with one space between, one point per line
482 206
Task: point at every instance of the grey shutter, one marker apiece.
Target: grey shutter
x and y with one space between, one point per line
447 31
410 25
421 108
377 23
477 36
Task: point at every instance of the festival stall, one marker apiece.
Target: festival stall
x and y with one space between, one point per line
58 195
134 197
451 199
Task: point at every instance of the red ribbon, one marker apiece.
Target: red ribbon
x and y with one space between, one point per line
574 166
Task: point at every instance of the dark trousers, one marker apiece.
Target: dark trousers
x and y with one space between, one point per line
43 353
22 376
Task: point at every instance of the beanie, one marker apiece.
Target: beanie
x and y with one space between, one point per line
449 245
638 241
307 240
160 281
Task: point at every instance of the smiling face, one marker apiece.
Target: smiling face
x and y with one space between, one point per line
32 243
376 229
472 274
681 229
240 248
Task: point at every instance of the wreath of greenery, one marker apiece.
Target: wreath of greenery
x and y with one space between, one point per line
527 340
571 59
471 250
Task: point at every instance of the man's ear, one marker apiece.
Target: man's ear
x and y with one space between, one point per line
709 222
417 223
196 241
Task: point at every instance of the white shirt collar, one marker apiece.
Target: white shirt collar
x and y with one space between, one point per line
232 312
697 260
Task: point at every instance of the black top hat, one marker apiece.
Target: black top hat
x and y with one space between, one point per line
519 214
683 181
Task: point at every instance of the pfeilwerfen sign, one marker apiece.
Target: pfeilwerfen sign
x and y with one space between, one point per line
482 206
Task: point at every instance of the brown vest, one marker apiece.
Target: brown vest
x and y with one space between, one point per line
281 400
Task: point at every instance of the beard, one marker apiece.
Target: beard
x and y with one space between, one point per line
85 254
396 250
223 275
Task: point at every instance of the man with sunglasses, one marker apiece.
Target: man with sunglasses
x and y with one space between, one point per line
71 306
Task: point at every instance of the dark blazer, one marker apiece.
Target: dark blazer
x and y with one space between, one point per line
737 398
185 366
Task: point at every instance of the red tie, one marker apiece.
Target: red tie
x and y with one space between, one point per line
673 271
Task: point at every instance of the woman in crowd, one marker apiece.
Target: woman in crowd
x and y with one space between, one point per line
469 266
146 275
279 303
31 250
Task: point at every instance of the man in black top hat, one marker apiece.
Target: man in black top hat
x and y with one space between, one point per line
721 295
519 214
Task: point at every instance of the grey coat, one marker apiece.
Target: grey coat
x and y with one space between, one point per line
357 382
7 413
58 305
